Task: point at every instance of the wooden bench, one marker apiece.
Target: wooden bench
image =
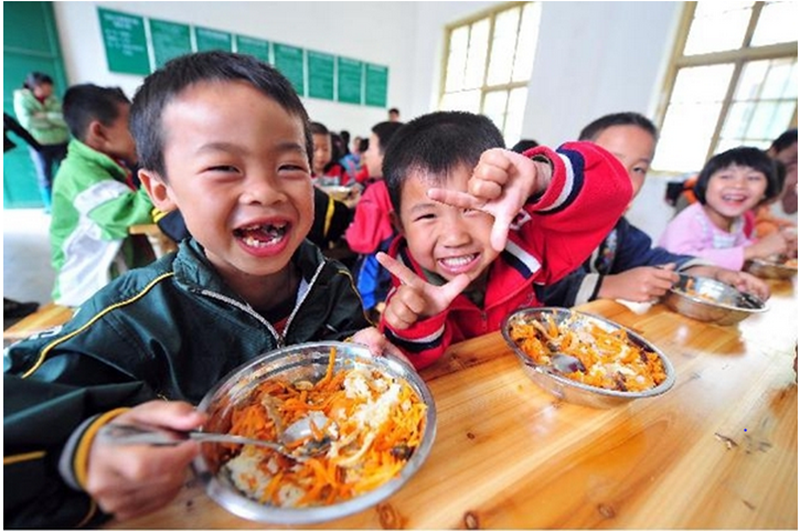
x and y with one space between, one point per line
47 316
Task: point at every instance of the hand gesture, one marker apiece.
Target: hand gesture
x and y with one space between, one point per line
744 282
640 284
416 298
500 185
377 343
128 481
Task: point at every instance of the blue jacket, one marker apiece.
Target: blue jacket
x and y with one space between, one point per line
624 248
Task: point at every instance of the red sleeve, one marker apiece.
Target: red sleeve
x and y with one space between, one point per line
371 224
588 193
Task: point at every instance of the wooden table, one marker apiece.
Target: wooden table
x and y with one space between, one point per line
719 450
47 316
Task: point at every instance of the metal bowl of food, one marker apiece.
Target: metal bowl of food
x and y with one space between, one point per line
585 359
776 269
378 423
709 300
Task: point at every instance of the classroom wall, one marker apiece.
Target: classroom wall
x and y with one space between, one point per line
592 58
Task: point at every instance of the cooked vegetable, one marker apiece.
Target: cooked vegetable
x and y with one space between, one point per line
372 421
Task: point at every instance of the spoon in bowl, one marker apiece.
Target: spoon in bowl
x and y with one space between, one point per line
127 434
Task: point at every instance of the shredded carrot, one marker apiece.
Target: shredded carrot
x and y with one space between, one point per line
610 359
371 437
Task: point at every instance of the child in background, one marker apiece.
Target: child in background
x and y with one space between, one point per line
39 111
94 200
372 230
626 265
224 138
326 169
729 185
480 226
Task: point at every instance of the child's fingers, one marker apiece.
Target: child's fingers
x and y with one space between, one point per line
172 414
499 235
448 292
398 269
455 198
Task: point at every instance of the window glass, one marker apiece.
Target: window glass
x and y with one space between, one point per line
469 100
717 28
516 111
457 60
476 59
503 45
526 42
685 136
777 23
702 83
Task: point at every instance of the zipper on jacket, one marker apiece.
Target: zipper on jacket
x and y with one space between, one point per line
279 338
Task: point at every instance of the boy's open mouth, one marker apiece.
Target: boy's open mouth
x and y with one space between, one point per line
458 264
262 235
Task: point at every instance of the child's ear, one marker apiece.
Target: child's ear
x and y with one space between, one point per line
95 135
158 190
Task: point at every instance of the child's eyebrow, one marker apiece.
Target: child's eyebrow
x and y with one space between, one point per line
230 147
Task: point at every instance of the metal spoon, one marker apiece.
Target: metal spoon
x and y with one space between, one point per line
126 434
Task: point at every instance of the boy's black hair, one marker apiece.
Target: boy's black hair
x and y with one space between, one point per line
740 156
34 79
524 145
436 144
166 83
593 130
786 139
385 131
318 128
86 103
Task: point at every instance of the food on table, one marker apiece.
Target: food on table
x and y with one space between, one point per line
610 360
364 427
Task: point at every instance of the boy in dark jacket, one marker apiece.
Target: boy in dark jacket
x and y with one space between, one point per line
482 225
224 138
626 265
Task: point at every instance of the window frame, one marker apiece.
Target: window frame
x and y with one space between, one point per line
491 13
738 57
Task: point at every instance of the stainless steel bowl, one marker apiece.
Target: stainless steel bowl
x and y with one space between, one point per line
770 269
709 300
570 390
301 362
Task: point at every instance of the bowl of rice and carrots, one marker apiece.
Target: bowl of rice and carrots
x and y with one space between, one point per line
614 365
374 426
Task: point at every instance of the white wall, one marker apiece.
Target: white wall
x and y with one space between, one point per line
592 58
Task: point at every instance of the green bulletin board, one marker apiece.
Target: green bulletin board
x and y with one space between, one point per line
320 75
289 60
209 39
349 80
377 82
169 40
255 47
125 42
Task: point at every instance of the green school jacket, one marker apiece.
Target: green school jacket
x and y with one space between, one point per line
171 330
44 121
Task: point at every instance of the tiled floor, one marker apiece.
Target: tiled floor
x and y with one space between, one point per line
27 274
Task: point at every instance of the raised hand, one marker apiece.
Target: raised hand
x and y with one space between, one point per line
500 185
417 298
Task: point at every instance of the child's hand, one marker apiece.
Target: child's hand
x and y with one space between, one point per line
377 343
416 298
770 245
500 185
640 284
129 481
744 282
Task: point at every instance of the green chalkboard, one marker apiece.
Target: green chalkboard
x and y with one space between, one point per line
125 42
209 39
320 75
377 83
350 74
289 60
255 47
169 40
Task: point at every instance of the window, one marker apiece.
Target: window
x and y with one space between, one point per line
489 60
733 81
